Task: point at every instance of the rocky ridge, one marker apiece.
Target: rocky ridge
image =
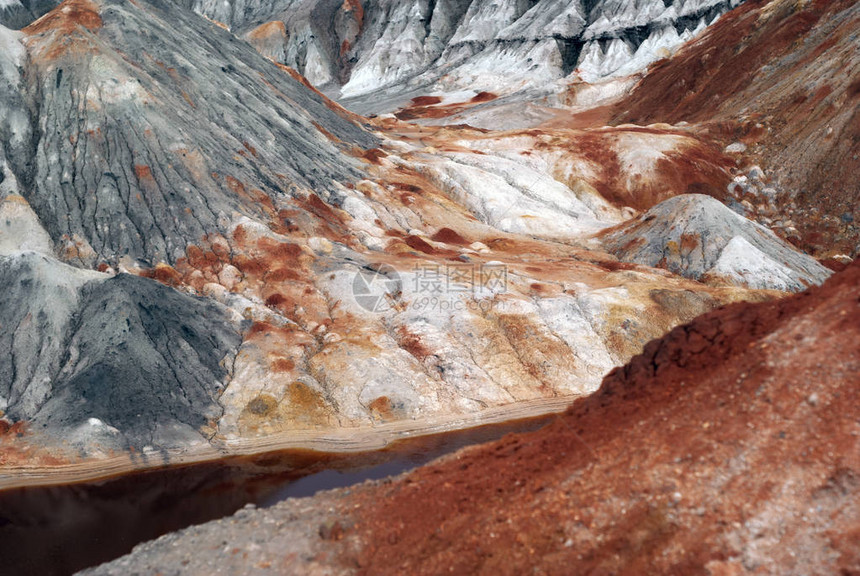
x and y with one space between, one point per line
204 254
357 271
360 48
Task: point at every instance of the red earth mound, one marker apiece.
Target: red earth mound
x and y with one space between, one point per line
730 446
781 77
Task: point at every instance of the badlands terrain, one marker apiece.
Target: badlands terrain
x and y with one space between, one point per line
730 446
233 227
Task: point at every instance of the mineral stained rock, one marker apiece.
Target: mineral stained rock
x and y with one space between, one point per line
782 78
730 446
216 233
201 253
697 236
156 126
202 219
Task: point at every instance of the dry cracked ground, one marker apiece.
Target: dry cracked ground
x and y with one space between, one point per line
231 227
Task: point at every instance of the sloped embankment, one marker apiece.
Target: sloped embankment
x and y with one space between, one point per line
729 446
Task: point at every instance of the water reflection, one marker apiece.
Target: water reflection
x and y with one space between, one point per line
57 530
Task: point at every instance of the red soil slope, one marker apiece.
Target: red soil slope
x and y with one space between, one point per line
783 77
730 446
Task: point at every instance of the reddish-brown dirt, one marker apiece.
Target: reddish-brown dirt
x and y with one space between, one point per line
698 167
730 446
591 118
432 107
17 447
781 77
483 97
449 236
72 15
425 101
276 29
69 28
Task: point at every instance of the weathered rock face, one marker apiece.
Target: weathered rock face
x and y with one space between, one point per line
780 77
129 132
463 44
15 124
18 13
157 127
729 446
87 350
698 237
198 248
373 271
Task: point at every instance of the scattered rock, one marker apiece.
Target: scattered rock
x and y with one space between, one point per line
756 174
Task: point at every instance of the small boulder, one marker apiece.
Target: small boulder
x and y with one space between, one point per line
756 173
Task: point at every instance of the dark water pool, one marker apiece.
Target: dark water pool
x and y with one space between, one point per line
57 530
